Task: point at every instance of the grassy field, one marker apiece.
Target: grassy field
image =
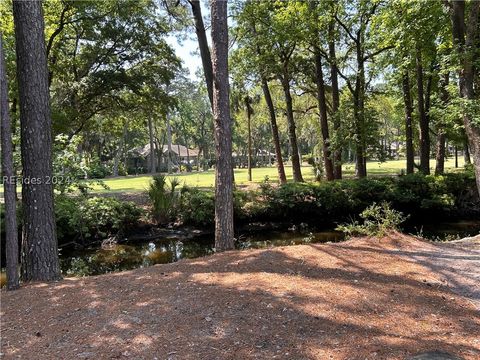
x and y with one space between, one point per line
207 178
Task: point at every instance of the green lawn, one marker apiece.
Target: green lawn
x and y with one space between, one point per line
207 178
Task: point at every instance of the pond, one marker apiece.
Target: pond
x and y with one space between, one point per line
130 255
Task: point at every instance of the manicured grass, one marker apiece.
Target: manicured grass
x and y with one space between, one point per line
207 178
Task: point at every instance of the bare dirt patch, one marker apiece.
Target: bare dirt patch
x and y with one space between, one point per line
361 299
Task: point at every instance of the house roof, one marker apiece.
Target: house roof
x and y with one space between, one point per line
179 150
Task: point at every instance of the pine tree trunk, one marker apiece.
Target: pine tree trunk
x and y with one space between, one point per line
153 167
9 183
337 154
423 119
249 128
464 37
322 108
224 235
297 171
203 46
407 100
276 138
39 244
440 144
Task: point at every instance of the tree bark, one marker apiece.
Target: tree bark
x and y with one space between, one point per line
224 235
203 46
276 138
337 154
407 100
39 244
440 143
464 37
119 152
249 128
466 153
9 180
322 108
423 119
359 111
297 171
153 167
169 146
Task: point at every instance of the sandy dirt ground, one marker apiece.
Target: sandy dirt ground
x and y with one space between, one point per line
387 298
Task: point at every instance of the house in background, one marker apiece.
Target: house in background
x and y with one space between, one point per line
139 158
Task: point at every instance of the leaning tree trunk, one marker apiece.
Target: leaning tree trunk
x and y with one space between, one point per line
203 46
297 171
9 183
322 108
464 37
423 119
224 239
276 138
337 153
39 244
407 100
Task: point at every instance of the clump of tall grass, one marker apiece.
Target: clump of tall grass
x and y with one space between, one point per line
165 199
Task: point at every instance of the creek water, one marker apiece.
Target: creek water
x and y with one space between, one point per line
130 255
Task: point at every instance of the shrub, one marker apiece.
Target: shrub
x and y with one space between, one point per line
197 207
164 198
93 218
377 220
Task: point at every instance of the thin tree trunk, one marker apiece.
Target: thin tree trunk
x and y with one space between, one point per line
322 108
249 130
440 143
276 138
119 152
169 146
297 172
456 157
423 119
203 46
466 153
465 34
39 244
407 99
337 154
224 239
153 167
9 183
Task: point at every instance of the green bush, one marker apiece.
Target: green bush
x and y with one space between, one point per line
377 220
164 198
87 219
197 207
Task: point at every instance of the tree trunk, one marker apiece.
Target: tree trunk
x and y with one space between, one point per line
464 37
407 100
337 154
203 46
9 183
39 244
276 138
224 239
249 128
297 172
423 119
359 114
153 167
466 153
322 108
169 146
440 144
119 152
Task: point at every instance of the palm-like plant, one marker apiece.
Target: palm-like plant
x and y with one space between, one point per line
164 198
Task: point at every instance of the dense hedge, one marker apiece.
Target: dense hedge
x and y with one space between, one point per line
326 203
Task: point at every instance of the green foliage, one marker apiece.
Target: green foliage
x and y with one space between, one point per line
164 198
86 219
197 207
377 220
